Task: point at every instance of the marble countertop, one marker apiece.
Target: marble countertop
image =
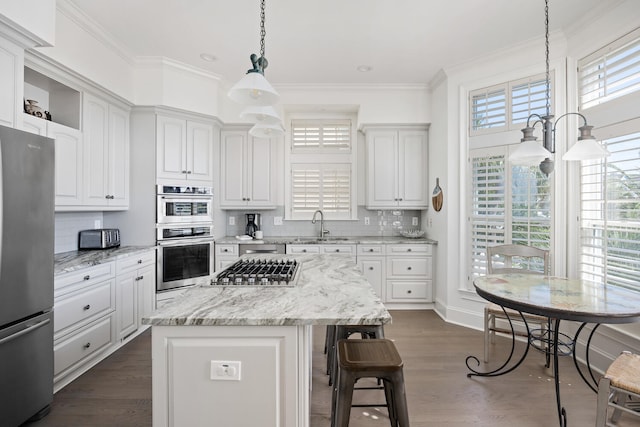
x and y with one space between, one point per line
330 291
66 262
344 240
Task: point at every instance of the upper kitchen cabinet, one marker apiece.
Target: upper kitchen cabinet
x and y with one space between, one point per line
184 150
106 154
11 64
396 166
246 170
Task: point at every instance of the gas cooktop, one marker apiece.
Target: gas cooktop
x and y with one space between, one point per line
259 272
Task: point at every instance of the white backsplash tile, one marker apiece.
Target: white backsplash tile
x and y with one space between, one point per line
67 225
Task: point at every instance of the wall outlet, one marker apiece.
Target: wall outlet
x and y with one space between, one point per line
277 220
366 220
232 220
96 223
223 370
414 220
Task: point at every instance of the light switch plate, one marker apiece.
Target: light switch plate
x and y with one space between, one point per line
232 220
277 220
414 220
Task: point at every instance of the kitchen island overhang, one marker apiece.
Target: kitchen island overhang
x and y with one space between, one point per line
263 331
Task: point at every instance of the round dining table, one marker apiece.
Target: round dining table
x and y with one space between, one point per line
557 298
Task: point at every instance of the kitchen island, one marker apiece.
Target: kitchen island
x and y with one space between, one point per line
241 356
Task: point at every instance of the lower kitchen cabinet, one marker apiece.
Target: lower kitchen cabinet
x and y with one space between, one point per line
96 309
371 261
409 273
226 254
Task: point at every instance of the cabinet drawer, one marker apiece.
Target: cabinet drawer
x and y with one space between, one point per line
83 305
226 249
81 345
413 267
409 249
370 250
303 249
411 290
68 282
134 261
338 249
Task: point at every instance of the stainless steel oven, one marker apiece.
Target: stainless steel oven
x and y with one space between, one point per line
184 205
186 260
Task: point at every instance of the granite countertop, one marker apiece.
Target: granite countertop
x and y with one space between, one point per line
330 291
345 240
66 262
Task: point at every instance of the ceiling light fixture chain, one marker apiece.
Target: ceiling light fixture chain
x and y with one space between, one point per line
546 55
262 30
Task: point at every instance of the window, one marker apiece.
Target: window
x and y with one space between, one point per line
322 169
507 106
610 215
611 72
509 204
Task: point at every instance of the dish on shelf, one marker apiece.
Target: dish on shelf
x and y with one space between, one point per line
412 234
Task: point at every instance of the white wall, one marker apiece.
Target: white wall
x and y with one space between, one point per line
36 18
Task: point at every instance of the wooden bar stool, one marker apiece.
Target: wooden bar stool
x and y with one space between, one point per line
369 358
342 332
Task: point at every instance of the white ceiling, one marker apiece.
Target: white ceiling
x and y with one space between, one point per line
324 41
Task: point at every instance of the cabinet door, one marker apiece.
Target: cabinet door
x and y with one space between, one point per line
96 150
199 151
259 189
382 173
69 150
146 283
11 84
373 269
233 154
118 170
412 169
34 124
172 148
127 304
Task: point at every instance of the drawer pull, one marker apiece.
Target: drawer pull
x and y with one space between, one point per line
337 250
139 261
87 345
225 250
370 268
370 249
409 291
139 277
87 277
409 250
86 307
304 250
408 268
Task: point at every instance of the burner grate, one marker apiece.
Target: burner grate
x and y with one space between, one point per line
259 272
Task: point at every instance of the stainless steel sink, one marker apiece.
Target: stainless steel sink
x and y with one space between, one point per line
333 239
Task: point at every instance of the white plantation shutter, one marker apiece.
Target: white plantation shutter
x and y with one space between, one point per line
488 211
325 186
610 215
528 97
509 204
488 109
321 136
611 72
322 161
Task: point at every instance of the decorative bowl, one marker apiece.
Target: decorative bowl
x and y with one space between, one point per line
412 234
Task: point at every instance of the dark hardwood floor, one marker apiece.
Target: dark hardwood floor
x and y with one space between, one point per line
117 392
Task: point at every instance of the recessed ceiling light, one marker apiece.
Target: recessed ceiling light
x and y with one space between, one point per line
364 68
207 57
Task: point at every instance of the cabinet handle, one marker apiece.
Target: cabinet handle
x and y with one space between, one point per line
409 250
408 268
225 250
184 171
409 291
304 250
86 307
87 345
371 250
400 199
188 172
248 199
370 268
87 277
337 250
139 277
139 261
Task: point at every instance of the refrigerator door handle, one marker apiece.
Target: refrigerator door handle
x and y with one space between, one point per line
25 331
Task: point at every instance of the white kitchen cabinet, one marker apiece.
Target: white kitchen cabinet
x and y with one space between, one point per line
184 150
84 320
396 167
106 154
135 291
303 249
11 65
68 159
226 254
409 273
246 170
371 261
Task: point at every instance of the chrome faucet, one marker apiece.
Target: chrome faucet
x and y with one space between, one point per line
313 221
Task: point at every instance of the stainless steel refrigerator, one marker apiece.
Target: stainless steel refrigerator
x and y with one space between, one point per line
26 275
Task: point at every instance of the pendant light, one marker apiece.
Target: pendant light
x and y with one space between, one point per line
253 88
530 152
264 114
266 130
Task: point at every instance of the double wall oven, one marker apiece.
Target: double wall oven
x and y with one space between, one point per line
184 236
